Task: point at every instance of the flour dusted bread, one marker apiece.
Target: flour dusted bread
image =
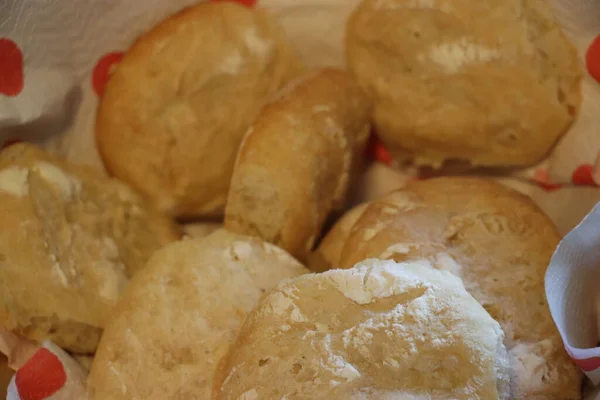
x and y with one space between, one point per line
176 108
400 331
500 244
70 239
178 316
295 163
491 82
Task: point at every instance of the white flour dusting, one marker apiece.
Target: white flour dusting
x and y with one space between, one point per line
66 184
456 55
283 305
364 284
413 4
232 64
256 44
13 181
251 394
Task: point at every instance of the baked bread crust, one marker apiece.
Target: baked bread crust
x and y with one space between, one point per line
70 239
379 330
500 243
295 163
178 316
177 106
494 83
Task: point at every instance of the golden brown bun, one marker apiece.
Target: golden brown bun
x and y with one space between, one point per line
491 82
174 112
294 165
500 244
70 239
381 330
179 316
327 255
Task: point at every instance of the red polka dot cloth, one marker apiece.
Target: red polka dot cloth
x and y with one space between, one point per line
50 374
55 60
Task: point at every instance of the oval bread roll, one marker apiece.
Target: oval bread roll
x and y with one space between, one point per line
294 165
495 83
177 106
500 244
69 241
380 330
178 317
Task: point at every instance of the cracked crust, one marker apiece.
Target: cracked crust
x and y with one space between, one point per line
495 83
295 163
179 316
177 106
500 244
70 240
380 327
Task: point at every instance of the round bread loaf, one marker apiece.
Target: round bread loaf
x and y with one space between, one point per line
400 331
295 163
176 108
500 244
69 241
179 316
492 82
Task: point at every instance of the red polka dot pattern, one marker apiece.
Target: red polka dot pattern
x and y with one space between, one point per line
583 175
247 3
103 70
542 179
592 58
589 364
41 377
12 75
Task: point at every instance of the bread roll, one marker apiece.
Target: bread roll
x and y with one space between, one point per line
294 165
500 244
495 83
327 255
178 317
176 108
380 330
70 239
